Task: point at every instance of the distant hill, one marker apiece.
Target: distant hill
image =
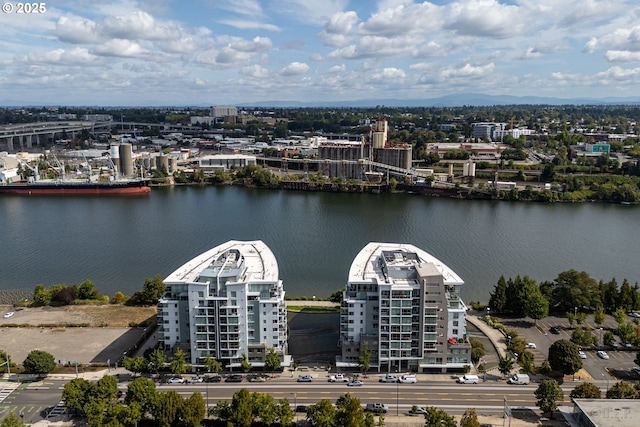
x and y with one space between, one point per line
455 100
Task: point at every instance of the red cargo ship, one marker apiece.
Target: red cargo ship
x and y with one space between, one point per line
121 187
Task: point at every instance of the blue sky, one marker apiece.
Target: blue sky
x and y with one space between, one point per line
207 52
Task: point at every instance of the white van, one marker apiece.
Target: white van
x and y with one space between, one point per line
468 379
408 379
519 379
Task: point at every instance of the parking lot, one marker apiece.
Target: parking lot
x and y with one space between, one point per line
620 360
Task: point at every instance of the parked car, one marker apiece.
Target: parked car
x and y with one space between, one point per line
582 354
175 380
355 383
603 355
555 330
256 378
305 378
233 379
408 379
8 314
213 379
194 380
531 345
388 379
301 408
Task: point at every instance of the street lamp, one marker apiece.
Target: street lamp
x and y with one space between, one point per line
8 366
397 396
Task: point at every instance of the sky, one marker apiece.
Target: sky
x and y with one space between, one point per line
210 52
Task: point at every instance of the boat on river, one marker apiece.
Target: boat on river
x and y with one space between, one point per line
59 187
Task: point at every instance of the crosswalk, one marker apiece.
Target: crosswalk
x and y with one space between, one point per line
58 410
7 389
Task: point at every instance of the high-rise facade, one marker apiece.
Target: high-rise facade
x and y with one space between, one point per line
226 303
403 305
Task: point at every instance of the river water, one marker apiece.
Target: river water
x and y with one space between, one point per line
119 242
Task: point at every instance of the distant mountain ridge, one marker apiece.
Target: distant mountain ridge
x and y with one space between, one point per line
454 100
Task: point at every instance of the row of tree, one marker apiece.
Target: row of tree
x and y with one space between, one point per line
523 296
57 295
100 403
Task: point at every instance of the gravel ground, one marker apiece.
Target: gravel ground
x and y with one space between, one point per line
43 328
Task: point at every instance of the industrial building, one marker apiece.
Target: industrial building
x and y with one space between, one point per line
227 303
403 305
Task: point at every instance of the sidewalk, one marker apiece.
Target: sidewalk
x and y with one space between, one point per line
494 335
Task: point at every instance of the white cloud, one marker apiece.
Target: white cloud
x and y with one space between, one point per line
467 70
622 56
120 47
294 68
249 25
337 69
255 71
75 29
75 56
484 18
336 31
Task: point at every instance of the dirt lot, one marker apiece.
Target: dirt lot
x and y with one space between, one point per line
106 337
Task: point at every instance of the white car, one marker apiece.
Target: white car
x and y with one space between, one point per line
582 354
603 355
355 383
9 314
531 345
194 380
176 380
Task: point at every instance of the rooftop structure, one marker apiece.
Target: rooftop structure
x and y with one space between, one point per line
404 306
227 303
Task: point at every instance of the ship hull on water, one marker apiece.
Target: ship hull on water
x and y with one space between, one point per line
116 188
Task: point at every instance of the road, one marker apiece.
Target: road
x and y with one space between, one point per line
36 400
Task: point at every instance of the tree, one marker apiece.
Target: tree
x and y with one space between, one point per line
192 411
12 420
622 390
85 290
284 413
272 361
336 296
152 291
264 408
349 412
41 297
505 365
548 394
245 364
179 363
156 361
620 315
212 365
571 318
469 418
435 417
599 316
365 359
39 362
142 392
135 364
564 358
76 393
536 305
526 362
168 406
498 299
586 391
241 408
574 289
322 414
